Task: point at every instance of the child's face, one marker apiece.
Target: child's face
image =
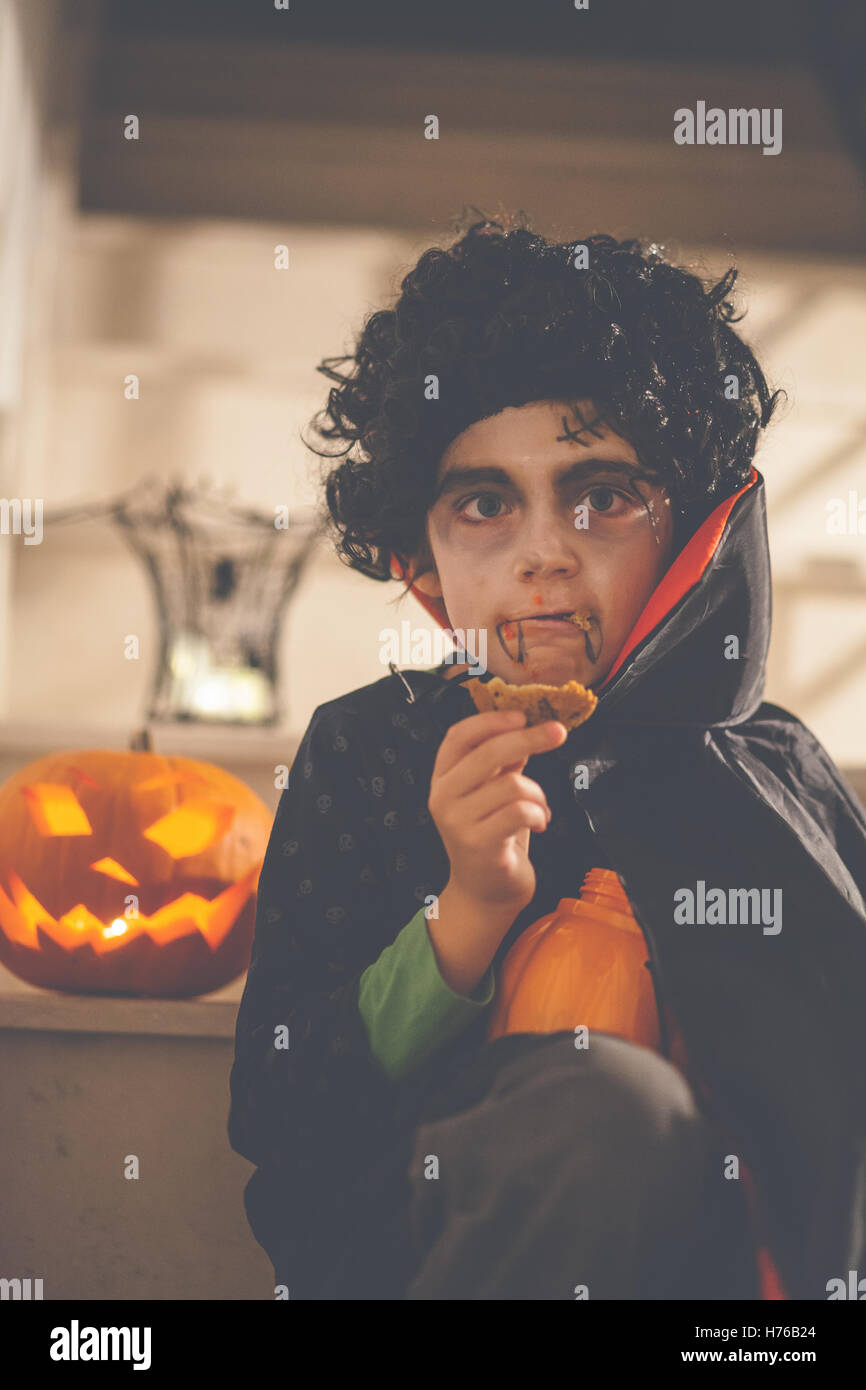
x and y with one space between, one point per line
556 515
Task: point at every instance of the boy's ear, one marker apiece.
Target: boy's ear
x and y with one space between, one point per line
427 583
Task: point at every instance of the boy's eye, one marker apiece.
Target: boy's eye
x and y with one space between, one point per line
602 498
484 499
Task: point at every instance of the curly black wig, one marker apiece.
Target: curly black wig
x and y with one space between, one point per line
504 317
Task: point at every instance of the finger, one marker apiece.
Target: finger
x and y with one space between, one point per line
468 733
493 795
517 815
485 760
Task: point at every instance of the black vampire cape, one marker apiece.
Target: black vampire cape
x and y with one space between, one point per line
690 778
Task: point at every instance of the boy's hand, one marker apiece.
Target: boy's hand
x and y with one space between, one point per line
484 809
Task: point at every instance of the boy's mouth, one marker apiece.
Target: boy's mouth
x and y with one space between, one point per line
564 616
563 619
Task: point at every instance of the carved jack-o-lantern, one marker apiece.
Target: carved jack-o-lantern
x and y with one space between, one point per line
128 873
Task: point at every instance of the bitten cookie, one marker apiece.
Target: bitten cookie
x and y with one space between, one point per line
571 703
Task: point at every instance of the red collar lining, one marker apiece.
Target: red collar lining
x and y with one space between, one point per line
688 567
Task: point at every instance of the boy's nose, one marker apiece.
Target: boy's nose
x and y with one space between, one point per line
547 557
547 545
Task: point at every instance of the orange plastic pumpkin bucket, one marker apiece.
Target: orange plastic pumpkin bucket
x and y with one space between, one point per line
584 963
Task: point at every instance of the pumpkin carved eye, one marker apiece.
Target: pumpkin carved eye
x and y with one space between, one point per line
184 831
56 810
190 828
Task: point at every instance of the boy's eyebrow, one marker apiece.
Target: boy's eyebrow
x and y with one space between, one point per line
457 478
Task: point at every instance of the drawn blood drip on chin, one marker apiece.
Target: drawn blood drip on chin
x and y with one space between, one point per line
591 636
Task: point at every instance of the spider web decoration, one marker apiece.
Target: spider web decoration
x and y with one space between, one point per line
222 576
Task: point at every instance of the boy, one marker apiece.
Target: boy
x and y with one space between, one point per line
536 439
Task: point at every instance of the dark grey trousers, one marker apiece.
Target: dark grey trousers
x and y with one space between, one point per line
566 1174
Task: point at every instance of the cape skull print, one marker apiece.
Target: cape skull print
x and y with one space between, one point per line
696 784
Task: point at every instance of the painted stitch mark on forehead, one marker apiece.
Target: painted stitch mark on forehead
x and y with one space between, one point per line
585 427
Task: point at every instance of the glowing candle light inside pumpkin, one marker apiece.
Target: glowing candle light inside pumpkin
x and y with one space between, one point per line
117 928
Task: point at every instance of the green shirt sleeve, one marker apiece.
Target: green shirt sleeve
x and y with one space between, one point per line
408 1009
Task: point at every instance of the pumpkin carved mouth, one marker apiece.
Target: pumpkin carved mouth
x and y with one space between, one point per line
21 915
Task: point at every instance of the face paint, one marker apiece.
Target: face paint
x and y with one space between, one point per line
511 632
505 631
588 427
649 507
574 435
591 634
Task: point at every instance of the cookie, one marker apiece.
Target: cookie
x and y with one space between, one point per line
571 703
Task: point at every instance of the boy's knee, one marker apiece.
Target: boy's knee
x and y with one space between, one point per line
645 1080
651 1115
